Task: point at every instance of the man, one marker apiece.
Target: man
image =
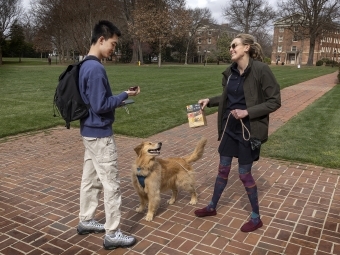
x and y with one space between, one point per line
100 159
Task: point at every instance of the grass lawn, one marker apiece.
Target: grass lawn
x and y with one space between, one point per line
27 90
312 136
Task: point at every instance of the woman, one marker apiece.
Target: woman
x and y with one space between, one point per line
250 94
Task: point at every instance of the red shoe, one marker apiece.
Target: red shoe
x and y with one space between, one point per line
205 212
250 226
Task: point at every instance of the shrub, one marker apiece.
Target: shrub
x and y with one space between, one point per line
319 63
267 60
330 62
334 63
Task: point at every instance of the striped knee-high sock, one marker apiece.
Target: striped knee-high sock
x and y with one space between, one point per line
221 181
252 195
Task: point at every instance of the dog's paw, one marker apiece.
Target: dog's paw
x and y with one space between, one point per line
171 201
140 209
149 217
193 202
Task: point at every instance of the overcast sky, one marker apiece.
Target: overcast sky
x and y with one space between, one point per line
215 7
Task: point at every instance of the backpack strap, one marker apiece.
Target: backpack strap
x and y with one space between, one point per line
89 57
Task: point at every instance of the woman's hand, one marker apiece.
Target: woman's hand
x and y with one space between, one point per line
239 114
203 102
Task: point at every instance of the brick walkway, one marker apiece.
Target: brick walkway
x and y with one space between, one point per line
39 196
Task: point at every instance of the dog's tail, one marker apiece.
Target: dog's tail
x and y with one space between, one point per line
198 152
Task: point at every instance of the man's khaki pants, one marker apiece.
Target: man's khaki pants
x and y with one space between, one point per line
100 171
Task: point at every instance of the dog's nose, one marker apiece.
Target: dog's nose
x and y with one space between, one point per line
160 144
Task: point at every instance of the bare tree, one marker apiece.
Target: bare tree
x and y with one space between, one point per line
129 8
159 21
10 11
265 40
309 19
68 24
28 25
249 16
198 18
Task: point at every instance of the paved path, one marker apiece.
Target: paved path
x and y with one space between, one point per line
39 196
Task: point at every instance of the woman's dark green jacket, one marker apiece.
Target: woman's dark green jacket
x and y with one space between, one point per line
262 94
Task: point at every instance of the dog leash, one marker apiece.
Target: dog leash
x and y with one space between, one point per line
182 166
244 128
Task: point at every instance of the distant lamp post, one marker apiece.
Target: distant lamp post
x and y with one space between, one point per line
205 57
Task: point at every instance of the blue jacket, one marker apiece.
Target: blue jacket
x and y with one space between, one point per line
95 90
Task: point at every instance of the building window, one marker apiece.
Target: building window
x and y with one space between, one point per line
209 40
296 29
279 49
280 38
281 29
293 48
199 41
295 38
209 32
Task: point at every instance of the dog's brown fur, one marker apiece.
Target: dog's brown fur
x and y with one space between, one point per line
162 175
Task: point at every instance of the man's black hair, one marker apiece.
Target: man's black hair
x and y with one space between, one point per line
104 28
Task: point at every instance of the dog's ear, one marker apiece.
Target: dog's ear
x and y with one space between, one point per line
139 148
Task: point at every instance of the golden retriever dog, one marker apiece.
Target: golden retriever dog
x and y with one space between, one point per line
152 175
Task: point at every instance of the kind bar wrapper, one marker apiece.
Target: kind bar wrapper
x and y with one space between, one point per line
196 116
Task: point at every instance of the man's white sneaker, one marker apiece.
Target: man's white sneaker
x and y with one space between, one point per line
91 226
118 239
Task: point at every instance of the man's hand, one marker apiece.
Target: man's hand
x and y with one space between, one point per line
134 92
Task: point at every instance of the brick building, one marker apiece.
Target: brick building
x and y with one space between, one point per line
207 37
290 48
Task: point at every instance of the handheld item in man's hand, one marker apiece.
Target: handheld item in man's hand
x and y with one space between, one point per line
127 101
133 88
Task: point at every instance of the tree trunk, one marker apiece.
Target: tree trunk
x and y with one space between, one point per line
140 52
134 51
186 54
0 56
311 50
160 54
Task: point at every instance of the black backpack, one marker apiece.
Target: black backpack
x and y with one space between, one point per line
67 98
